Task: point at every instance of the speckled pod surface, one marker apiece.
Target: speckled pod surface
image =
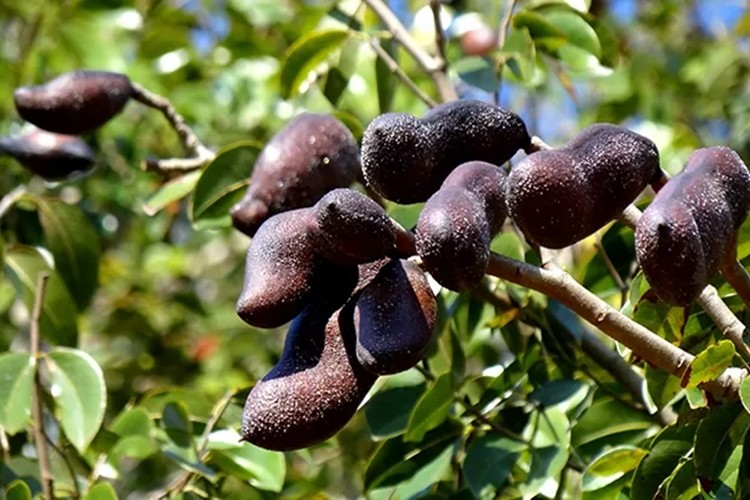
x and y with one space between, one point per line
560 196
49 155
282 268
310 156
683 234
74 102
394 317
406 159
314 389
458 222
351 228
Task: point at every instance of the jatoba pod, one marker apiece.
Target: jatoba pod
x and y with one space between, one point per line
559 197
458 222
49 155
74 102
684 233
405 159
315 388
282 269
310 156
394 318
352 228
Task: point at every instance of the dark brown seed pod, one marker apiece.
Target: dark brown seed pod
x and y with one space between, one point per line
684 233
406 159
487 182
559 197
351 228
314 389
49 155
310 156
453 238
282 268
394 318
74 102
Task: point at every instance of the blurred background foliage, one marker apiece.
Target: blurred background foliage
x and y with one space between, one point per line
161 322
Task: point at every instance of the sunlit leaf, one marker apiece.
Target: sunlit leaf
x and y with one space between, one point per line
263 469
101 491
77 387
17 490
16 381
710 363
665 453
305 55
58 320
431 409
611 466
173 190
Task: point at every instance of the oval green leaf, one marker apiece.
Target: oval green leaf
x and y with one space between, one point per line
305 55
488 463
77 386
16 381
710 363
431 409
261 468
101 491
58 320
576 30
220 186
74 244
17 490
610 466
173 190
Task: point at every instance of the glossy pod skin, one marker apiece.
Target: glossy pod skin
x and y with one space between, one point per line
317 385
50 156
560 196
458 222
310 156
691 223
394 317
75 102
351 228
406 159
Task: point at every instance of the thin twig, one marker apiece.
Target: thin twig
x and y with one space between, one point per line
68 465
736 274
10 199
612 271
440 61
45 470
428 63
537 144
396 70
199 154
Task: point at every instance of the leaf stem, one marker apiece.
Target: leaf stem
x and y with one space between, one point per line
45 470
10 199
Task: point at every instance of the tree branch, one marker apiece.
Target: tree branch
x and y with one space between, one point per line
45 470
400 74
200 155
428 63
440 61
735 274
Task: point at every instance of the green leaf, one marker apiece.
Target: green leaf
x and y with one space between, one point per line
611 466
605 417
582 62
263 469
665 453
683 483
426 476
479 72
173 190
339 75
305 55
221 184
745 393
77 386
431 409
17 490
74 244
576 30
520 50
546 465
101 491
385 81
16 382
710 363
718 434
176 422
58 320
134 428
508 244
387 412
488 463
662 387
